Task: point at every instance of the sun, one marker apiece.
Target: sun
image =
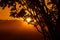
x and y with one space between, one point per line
28 19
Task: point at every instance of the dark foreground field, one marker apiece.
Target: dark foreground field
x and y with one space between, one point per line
18 30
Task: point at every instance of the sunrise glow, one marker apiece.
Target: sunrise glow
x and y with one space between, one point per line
28 19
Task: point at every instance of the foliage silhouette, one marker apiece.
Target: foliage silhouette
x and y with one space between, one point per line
48 17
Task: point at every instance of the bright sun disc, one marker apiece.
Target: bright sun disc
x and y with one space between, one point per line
28 19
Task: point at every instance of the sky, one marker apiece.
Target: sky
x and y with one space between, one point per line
19 30
5 13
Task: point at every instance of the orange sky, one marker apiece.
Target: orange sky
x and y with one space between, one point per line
20 29
4 13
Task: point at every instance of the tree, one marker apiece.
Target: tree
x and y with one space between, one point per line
42 13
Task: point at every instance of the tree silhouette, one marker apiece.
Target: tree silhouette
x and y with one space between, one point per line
39 11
